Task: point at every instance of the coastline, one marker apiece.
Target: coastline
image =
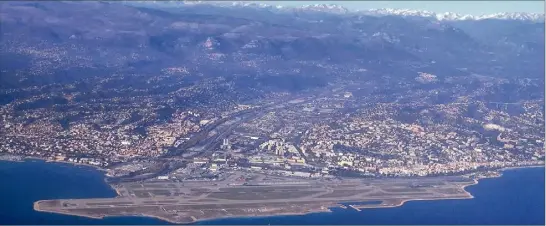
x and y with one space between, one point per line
36 207
470 196
326 209
403 201
20 158
99 168
76 164
323 209
522 167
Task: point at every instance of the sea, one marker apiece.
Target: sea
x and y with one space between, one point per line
515 198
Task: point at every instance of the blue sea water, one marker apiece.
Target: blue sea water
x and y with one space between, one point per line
515 198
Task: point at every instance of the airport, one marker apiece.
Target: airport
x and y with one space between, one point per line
263 195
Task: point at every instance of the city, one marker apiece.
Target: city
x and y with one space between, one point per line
194 110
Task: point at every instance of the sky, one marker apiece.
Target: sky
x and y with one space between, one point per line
461 7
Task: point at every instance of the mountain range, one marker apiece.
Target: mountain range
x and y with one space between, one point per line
45 42
332 8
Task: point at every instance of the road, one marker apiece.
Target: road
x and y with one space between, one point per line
203 145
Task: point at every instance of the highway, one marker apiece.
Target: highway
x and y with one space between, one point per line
201 145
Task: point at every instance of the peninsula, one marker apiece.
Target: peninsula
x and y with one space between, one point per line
242 195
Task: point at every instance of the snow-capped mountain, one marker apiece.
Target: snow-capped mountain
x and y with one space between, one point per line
453 16
514 16
397 12
450 16
327 8
337 9
255 5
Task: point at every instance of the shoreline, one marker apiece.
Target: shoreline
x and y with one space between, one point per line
22 159
521 167
325 209
25 158
99 168
36 207
403 201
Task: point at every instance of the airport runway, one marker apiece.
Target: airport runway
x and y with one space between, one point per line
187 202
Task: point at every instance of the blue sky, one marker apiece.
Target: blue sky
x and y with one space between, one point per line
462 7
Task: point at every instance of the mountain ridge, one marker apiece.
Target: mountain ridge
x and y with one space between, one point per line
160 37
337 9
